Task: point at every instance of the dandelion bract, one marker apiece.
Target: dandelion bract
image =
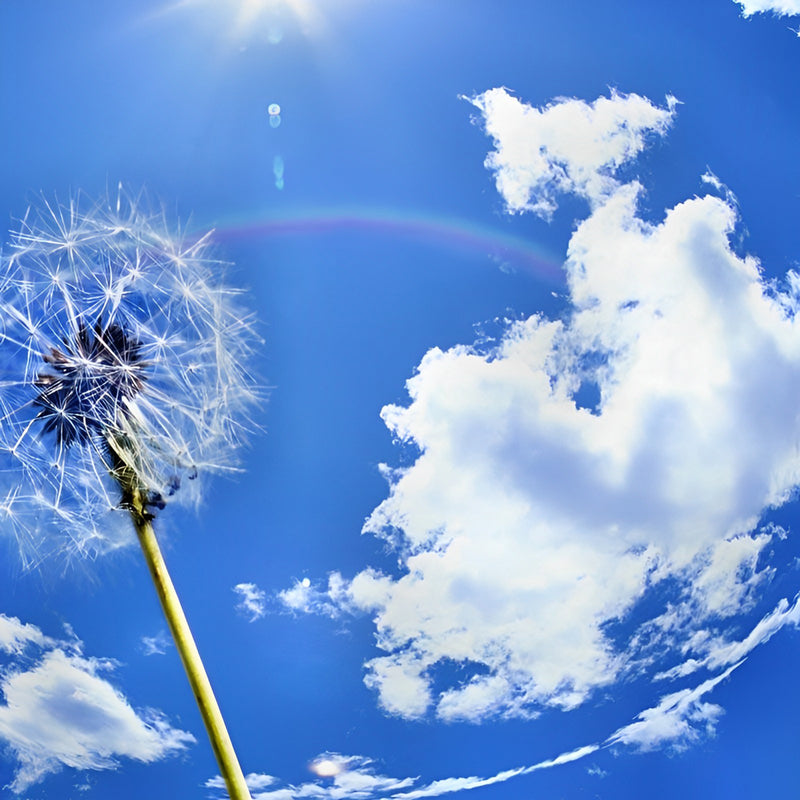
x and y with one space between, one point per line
113 329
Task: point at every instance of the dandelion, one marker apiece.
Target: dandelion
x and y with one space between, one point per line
124 380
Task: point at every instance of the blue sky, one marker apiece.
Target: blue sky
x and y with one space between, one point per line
518 518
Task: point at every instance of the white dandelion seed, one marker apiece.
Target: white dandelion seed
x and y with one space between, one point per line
113 329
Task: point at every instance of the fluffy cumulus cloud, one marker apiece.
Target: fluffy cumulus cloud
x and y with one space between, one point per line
577 467
567 146
532 522
60 710
783 8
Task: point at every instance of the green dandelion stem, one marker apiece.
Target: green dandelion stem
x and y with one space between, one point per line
204 695
136 500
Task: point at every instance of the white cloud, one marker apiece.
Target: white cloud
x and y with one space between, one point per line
255 781
60 710
568 146
252 600
596 771
717 652
401 684
155 645
450 785
345 777
529 525
15 636
782 8
304 597
722 189
355 778
678 720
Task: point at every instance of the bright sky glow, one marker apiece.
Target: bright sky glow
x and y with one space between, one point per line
326 768
247 13
242 21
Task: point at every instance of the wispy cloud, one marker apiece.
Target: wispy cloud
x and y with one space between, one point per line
304 597
351 777
252 600
450 785
61 710
156 645
596 771
717 652
678 720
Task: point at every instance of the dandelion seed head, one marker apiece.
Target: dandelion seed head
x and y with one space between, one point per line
118 341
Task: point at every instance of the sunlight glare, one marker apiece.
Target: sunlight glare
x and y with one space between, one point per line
326 768
250 15
245 18
249 11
